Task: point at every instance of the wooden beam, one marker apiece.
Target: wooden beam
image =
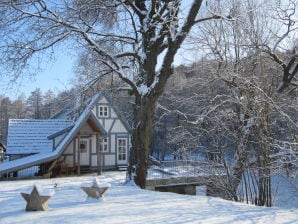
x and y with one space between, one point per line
99 165
52 166
79 156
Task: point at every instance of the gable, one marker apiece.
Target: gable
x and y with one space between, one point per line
31 136
103 100
112 120
118 127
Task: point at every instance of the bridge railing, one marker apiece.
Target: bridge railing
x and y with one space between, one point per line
183 168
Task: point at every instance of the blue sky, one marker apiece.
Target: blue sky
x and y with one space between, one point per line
55 76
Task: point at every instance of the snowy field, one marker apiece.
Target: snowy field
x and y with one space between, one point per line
129 204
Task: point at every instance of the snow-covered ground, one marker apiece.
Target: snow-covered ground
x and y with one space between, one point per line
129 204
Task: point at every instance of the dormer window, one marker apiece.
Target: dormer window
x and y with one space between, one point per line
103 111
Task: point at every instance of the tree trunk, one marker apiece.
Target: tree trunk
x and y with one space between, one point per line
141 137
238 169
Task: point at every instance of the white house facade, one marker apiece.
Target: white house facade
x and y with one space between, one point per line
113 146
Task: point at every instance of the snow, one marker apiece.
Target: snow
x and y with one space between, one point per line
286 195
34 159
143 89
129 204
27 136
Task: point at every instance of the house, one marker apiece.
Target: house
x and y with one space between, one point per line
91 135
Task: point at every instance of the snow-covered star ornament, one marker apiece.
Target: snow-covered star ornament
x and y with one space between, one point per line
96 190
35 201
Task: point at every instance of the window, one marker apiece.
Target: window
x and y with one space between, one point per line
103 144
103 111
122 146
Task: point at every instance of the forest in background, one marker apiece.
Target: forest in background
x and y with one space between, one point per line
205 113
238 104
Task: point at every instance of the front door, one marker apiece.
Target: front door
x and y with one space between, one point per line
122 151
84 152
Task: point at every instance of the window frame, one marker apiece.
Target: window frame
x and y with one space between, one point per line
103 111
103 145
123 152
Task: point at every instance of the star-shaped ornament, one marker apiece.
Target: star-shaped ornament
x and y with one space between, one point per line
35 201
96 190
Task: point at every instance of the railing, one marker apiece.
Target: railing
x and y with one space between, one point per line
30 172
183 168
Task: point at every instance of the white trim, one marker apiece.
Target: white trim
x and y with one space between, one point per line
103 111
122 150
84 153
103 144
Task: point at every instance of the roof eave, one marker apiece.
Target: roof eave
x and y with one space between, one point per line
58 133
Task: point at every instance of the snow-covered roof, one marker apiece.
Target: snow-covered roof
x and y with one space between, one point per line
48 156
30 136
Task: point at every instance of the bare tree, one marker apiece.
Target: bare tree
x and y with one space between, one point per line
18 108
5 103
146 36
239 123
284 14
35 104
49 105
234 104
